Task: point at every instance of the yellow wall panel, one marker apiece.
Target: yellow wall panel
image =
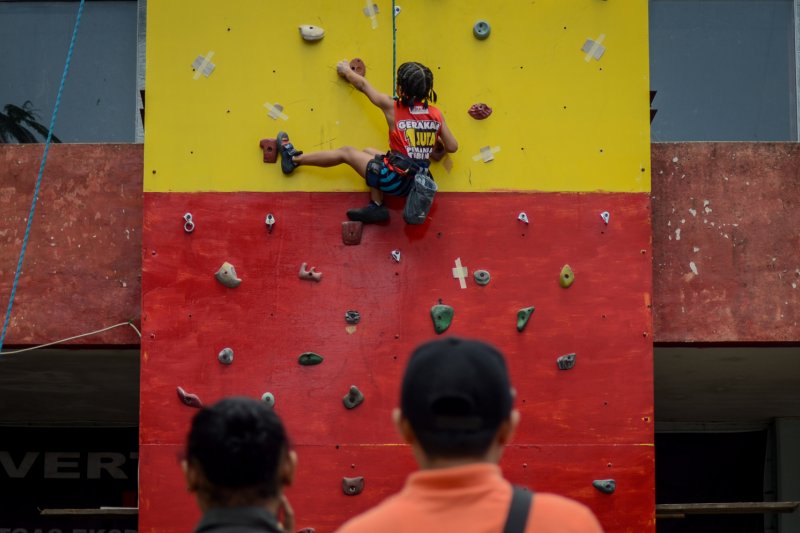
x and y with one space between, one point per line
562 123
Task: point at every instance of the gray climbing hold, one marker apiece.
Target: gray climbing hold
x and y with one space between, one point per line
482 277
566 362
523 315
353 486
353 398
310 359
269 221
226 356
606 486
227 275
442 316
352 317
481 30
606 216
269 399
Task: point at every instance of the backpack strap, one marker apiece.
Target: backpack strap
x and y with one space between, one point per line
518 511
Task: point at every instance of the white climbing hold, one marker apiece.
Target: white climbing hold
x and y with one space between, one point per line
309 32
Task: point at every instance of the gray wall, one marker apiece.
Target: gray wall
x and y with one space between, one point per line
99 100
723 69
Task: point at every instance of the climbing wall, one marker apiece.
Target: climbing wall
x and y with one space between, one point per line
557 175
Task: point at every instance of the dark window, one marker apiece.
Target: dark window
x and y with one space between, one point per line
99 99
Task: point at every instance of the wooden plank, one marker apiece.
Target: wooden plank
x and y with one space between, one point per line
102 511
726 508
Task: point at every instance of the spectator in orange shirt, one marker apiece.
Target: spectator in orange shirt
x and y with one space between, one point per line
456 412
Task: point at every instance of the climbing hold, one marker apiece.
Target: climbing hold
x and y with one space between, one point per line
481 30
606 486
479 111
192 400
269 399
523 315
351 232
606 216
397 10
352 317
566 362
442 316
482 277
396 255
188 224
352 486
358 66
523 217
310 359
309 273
567 277
270 148
353 398
269 221
309 32
306 530
225 356
227 275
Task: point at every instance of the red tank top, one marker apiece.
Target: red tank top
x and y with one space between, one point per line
416 130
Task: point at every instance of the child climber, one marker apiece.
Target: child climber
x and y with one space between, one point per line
415 126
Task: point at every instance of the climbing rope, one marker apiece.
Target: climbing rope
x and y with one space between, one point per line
394 54
95 332
39 177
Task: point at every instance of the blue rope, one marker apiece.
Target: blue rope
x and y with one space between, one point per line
39 177
394 56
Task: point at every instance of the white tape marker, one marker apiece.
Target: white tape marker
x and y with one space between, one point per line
203 66
460 273
486 154
276 111
594 49
371 11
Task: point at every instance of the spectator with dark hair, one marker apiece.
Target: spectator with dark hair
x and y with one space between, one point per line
456 412
237 462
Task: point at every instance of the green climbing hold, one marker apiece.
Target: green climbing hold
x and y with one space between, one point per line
567 276
442 317
310 359
523 315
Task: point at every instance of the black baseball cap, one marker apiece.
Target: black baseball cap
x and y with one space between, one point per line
458 385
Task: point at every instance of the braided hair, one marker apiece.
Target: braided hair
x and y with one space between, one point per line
415 81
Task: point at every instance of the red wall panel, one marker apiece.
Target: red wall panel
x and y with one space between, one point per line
600 408
82 268
729 210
